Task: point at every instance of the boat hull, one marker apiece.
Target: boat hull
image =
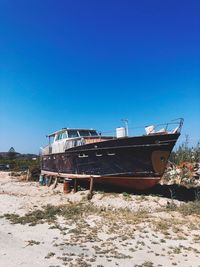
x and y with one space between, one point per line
138 183
131 162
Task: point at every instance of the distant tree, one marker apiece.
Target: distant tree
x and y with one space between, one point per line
11 150
12 153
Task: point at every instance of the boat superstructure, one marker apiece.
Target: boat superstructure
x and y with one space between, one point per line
129 161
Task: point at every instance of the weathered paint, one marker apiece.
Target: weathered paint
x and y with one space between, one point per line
137 162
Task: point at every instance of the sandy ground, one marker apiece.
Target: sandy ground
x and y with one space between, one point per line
154 237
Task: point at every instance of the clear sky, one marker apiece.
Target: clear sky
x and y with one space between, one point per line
81 63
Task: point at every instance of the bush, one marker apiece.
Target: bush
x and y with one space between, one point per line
185 153
20 164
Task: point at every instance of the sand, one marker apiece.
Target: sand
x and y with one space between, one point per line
162 238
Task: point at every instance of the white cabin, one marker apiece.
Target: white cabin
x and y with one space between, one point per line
67 138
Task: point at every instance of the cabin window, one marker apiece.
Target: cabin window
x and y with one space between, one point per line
72 134
59 136
84 133
93 133
64 135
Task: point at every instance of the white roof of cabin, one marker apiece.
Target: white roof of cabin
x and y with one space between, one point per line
72 129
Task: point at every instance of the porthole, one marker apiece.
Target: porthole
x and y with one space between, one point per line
111 154
162 159
83 156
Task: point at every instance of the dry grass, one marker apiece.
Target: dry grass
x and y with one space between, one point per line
32 242
37 216
190 208
145 264
123 225
112 218
76 211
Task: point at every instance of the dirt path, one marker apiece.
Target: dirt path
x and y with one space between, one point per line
110 230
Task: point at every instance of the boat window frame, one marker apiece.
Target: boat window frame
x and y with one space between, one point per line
59 136
94 131
88 131
66 135
73 136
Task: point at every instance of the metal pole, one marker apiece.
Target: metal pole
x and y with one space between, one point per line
126 125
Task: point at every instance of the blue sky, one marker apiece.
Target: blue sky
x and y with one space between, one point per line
75 63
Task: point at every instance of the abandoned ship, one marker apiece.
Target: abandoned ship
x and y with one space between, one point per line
136 162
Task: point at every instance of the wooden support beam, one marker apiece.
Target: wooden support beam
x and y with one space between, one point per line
55 183
75 185
50 181
28 175
69 175
91 187
91 184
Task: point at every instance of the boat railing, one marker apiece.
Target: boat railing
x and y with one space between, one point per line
174 126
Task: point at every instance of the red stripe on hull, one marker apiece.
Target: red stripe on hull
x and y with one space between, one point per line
131 183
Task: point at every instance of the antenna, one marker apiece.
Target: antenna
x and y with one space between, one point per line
125 121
